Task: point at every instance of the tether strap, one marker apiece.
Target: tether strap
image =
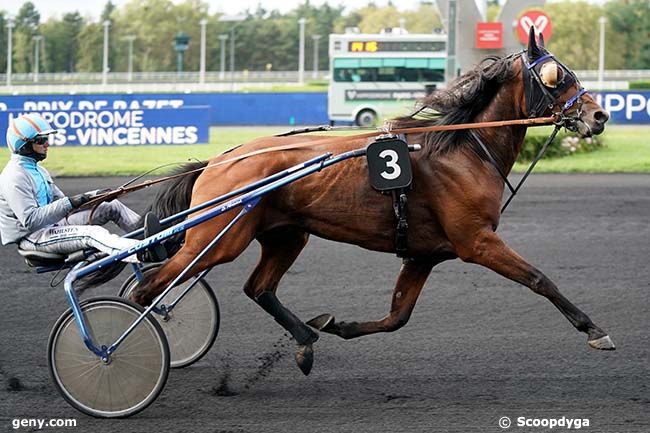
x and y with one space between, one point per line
540 154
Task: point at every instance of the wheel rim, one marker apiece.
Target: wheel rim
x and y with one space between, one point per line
132 379
190 329
366 118
192 324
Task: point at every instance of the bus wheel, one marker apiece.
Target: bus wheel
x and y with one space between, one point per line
367 118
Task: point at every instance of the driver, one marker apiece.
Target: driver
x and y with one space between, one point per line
37 216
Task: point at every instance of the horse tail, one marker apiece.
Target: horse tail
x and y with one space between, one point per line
170 200
176 197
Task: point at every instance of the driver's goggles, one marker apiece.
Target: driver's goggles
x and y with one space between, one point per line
41 139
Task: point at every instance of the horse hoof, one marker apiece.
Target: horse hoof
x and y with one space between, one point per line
602 343
305 358
322 322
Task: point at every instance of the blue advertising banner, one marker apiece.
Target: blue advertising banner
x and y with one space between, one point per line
115 126
225 108
626 107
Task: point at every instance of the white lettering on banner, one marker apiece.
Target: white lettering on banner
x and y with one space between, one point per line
47 106
93 105
631 107
630 102
152 135
192 134
84 136
93 119
136 118
3 106
98 105
105 128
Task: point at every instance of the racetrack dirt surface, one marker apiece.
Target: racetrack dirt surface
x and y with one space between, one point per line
478 347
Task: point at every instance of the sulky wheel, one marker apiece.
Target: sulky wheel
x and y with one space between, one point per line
130 380
192 326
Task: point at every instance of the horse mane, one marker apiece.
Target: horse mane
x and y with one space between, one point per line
460 102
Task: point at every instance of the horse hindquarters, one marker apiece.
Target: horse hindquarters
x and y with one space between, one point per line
233 243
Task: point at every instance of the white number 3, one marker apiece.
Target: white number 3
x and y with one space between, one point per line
391 162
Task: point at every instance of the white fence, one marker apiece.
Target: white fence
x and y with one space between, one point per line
160 77
188 82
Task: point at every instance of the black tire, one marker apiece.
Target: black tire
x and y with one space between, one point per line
77 372
366 118
202 296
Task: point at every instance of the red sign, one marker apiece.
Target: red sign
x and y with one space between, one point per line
537 18
489 36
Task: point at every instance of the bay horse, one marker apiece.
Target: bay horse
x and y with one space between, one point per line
454 201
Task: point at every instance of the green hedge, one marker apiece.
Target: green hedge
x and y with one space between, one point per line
639 85
565 144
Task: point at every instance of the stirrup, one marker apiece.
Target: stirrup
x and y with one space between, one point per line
154 253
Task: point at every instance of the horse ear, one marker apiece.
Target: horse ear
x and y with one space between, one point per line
541 41
533 49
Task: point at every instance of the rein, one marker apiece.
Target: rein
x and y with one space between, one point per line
539 121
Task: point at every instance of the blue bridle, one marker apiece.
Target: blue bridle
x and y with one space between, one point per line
540 98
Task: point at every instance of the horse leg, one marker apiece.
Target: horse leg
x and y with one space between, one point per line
410 281
280 248
490 251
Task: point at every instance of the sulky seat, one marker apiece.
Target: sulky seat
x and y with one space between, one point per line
36 259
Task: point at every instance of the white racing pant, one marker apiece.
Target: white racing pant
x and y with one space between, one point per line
73 232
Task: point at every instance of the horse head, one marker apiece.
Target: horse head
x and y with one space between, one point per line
551 87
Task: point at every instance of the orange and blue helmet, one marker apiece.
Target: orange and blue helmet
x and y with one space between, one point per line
23 129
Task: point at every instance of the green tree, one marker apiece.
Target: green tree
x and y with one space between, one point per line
90 48
27 26
72 24
154 24
3 42
575 35
53 46
629 23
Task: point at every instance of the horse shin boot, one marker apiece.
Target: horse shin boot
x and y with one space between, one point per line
303 335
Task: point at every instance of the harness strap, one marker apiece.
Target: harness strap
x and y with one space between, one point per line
537 61
573 99
401 234
326 140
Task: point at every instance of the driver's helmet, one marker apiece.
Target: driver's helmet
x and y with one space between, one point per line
26 128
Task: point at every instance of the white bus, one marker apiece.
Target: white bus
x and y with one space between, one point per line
373 77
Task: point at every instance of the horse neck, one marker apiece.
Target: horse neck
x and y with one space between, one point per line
504 143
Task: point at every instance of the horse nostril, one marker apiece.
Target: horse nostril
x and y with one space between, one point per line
601 116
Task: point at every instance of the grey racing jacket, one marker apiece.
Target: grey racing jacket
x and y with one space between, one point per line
20 213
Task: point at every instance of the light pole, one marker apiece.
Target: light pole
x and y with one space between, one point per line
314 74
181 43
450 70
601 53
37 40
301 51
203 23
402 25
222 53
106 23
130 39
10 26
235 19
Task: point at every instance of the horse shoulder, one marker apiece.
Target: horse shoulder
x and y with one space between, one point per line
466 193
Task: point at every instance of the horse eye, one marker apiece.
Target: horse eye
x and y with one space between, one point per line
551 74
